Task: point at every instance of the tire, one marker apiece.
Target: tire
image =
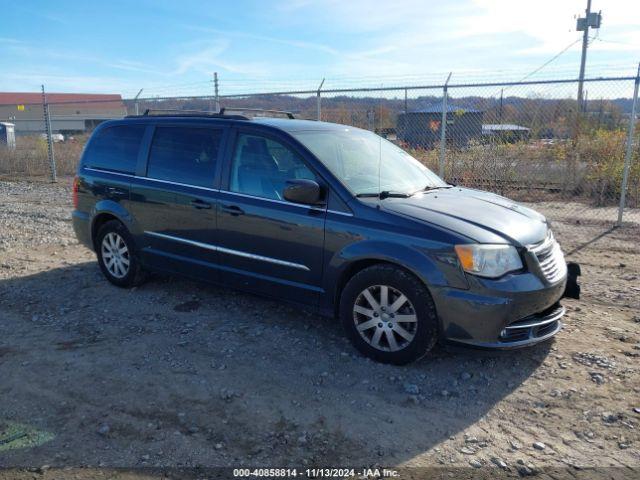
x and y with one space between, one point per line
122 269
377 331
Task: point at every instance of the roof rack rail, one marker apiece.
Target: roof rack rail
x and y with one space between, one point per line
166 112
255 111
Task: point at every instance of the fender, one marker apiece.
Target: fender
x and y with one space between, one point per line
114 208
419 260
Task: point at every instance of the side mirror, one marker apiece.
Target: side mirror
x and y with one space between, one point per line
303 191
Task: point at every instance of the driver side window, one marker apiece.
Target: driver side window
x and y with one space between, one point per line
262 166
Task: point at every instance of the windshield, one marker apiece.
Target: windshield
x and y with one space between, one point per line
357 156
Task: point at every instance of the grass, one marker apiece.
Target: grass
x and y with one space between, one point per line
30 158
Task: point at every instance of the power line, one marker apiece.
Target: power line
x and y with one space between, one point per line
618 42
551 60
545 64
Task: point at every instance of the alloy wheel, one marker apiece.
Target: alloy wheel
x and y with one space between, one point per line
385 318
115 255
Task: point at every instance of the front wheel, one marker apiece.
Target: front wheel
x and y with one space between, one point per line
388 314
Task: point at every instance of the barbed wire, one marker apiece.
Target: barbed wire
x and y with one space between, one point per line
378 89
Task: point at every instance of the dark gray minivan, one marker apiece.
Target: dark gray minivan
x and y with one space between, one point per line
327 216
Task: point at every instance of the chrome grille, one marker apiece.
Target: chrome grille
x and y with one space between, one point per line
550 258
534 326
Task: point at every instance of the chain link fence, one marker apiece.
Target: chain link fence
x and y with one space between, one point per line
530 141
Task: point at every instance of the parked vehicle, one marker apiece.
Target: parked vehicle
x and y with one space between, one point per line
324 215
55 137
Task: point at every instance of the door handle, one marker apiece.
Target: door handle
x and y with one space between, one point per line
116 192
232 210
200 204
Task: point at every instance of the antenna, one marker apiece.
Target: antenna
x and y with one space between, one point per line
379 157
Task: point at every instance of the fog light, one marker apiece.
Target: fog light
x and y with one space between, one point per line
503 333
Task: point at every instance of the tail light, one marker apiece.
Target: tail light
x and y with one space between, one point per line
76 187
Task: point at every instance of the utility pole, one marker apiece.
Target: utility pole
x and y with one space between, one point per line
591 20
215 91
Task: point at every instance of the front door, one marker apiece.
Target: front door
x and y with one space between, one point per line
175 203
268 244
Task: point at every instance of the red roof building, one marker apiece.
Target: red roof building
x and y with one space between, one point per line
70 112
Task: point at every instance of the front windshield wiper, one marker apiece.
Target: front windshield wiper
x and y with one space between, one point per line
432 187
384 194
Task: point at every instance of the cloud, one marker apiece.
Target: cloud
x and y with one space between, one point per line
266 38
207 58
12 41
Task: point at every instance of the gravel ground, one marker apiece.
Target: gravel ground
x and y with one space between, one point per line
180 374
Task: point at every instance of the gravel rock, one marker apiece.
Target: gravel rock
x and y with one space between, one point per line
411 389
499 463
527 470
609 417
103 430
594 360
597 378
413 399
539 446
475 463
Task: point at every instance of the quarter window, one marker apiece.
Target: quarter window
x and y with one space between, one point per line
262 166
115 148
184 155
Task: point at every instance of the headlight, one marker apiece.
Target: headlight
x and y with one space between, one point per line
488 260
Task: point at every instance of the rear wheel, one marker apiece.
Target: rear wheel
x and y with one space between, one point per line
117 255
388 314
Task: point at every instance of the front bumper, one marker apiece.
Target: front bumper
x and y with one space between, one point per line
528 331
518 310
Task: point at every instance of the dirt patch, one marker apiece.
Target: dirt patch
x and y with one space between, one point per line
181 374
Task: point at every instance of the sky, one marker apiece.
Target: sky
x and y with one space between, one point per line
173 47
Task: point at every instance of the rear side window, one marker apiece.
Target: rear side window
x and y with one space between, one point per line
115 148
184 155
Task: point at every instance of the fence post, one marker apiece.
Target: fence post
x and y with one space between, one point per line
629 151
319 102
135 99
443 128
217 96
47 125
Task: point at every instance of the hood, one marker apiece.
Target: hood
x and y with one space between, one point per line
481 216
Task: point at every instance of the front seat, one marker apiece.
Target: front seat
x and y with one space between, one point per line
257 170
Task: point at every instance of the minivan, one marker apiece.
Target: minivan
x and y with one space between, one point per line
327 216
